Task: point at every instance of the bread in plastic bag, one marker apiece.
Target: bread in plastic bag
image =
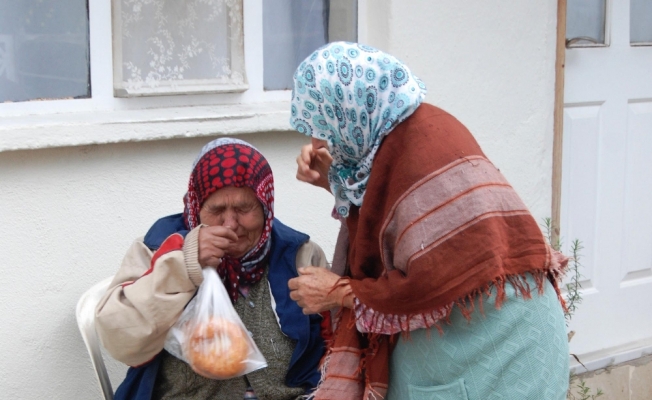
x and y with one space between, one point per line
210 336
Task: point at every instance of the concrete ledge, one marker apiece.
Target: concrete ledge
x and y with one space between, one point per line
608 357
75 129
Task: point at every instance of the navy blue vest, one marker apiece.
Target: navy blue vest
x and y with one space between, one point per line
303 370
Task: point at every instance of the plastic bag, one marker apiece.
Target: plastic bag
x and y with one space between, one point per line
210 336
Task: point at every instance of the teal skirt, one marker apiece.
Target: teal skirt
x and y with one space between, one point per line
518 352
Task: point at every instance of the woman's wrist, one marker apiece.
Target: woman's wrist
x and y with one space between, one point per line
345 296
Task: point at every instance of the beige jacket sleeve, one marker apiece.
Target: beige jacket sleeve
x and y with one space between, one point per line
311 254
147 295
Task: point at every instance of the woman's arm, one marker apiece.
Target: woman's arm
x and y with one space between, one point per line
146 297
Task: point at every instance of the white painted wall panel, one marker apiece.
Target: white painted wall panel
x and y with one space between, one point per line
582 125
636 265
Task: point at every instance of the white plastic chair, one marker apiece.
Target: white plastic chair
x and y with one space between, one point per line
86 322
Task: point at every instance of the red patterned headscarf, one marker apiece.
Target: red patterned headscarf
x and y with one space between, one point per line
232 162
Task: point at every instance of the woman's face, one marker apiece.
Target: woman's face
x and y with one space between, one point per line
239 209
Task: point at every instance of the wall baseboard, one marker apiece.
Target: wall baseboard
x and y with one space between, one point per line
612 356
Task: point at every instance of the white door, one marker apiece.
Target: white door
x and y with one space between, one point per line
607 171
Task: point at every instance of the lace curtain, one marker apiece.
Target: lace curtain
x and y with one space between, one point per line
172 46
196 46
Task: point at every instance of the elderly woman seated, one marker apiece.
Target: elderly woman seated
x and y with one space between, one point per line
227 223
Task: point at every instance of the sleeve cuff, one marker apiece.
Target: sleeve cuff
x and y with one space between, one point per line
191 256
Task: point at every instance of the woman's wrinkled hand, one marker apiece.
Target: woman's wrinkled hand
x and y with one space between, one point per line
313 165
317 289
214 242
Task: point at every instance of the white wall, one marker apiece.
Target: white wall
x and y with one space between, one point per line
68 214
492 65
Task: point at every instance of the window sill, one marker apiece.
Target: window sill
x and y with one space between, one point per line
84 128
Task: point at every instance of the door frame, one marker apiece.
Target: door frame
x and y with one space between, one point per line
558 130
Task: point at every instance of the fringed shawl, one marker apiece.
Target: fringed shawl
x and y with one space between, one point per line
439 226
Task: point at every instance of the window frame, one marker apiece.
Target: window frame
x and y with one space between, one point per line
104 118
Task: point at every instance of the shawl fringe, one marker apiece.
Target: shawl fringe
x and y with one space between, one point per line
376 322
367 390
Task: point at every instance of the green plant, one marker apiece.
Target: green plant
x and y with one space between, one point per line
577 389
547 227
573 288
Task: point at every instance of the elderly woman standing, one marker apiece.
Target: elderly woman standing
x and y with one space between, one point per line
437 238
228 223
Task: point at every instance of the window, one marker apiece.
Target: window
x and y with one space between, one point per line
586 22
292 30
640 26
216 95
44 50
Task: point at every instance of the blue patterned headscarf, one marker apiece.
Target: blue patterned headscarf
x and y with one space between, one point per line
352 96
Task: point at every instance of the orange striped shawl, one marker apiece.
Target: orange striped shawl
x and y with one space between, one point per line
438 227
